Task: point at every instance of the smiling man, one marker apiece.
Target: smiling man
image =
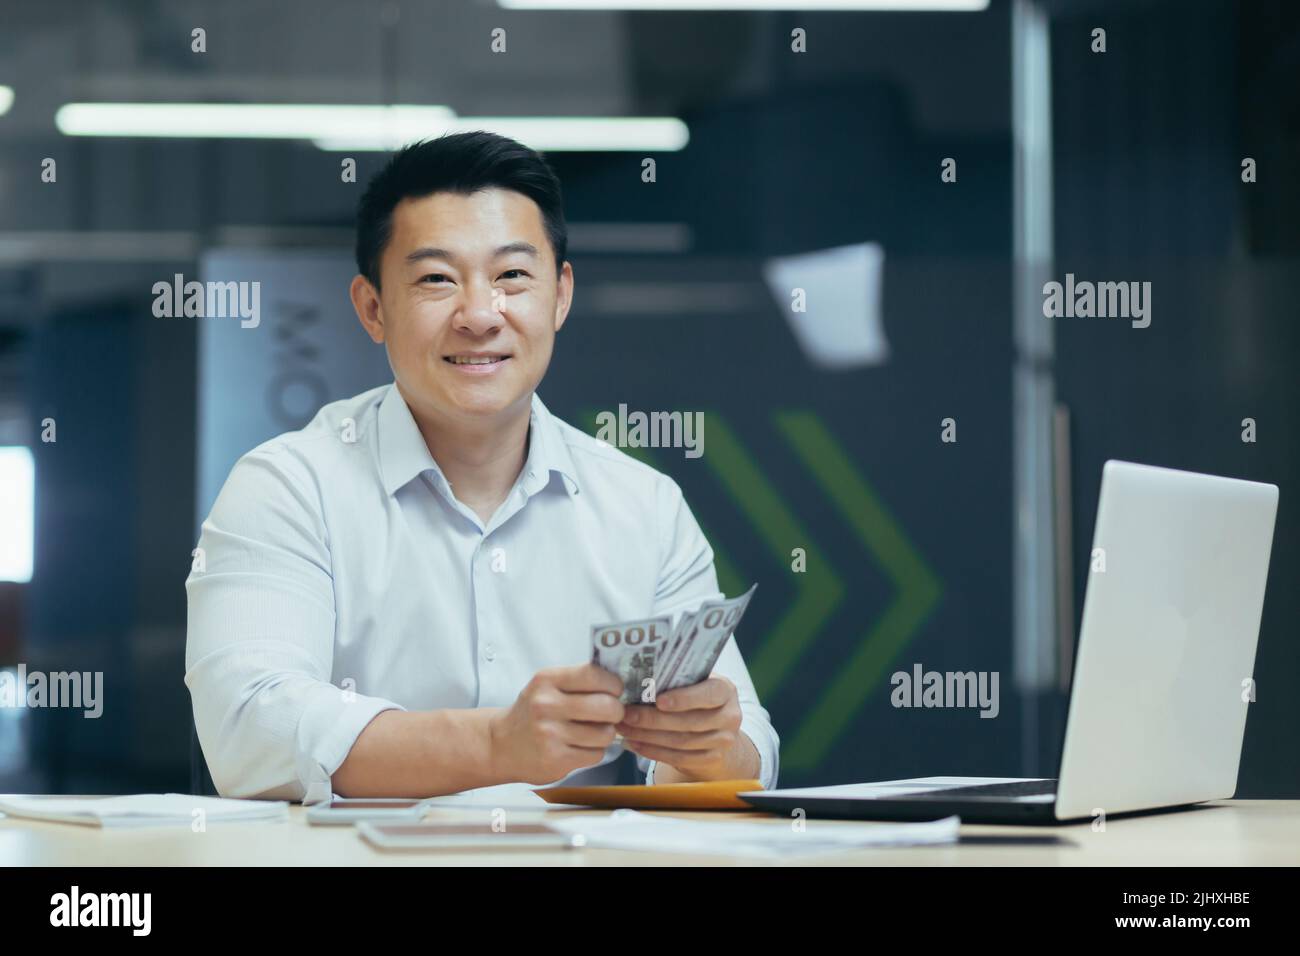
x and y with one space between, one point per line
397 599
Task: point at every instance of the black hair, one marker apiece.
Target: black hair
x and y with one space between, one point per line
461 163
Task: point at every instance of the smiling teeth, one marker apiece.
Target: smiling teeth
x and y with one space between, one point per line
475 359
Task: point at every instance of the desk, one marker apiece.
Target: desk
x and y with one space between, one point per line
1227 833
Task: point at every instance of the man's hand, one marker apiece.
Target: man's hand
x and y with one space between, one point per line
694 730
562 720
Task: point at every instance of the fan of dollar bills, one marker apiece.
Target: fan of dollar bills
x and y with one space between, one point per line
650 656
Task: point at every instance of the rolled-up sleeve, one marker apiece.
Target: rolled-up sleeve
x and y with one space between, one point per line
260 640
687 579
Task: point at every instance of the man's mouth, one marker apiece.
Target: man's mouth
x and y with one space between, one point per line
475 359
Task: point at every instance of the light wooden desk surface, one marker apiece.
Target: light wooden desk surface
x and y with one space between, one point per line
1228 833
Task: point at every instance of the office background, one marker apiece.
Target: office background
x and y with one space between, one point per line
823 430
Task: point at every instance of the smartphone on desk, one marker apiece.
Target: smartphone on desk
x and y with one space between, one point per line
345 811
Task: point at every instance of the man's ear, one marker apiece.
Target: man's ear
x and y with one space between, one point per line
564 295
365 299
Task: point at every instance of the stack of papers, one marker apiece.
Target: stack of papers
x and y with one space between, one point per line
630 830
141 809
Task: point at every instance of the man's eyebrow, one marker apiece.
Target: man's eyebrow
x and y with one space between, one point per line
431 252
527 248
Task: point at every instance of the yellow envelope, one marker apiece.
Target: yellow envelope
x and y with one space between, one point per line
706 795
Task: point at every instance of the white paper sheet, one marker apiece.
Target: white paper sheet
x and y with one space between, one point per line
776 839
141 809
840 324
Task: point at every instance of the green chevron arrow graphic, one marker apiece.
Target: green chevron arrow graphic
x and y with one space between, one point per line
817 594
918 590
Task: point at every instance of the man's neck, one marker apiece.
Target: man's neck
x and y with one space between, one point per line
480 460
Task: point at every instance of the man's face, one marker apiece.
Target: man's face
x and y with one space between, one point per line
470 304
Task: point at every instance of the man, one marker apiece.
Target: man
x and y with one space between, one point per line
397 600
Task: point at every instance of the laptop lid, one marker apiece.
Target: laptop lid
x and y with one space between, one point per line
1167 644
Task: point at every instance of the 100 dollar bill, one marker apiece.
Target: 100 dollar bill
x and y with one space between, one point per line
699 640
651 656
630 650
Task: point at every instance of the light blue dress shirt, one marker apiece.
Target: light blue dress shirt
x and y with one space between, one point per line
338 576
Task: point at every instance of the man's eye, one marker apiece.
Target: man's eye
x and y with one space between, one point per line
513 273
432 275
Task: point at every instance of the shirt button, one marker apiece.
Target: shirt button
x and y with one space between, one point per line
489 653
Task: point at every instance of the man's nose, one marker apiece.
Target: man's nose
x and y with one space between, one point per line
481 310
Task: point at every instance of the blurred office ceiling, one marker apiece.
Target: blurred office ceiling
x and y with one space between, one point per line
124 201
127 200
556 62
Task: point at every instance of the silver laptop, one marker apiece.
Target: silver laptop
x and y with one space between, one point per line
1162 676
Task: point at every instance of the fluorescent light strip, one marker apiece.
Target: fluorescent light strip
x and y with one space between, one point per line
26 247
6 99
363 127
244 120
17 512
544 133
794 6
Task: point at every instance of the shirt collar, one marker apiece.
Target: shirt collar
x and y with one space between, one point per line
403 455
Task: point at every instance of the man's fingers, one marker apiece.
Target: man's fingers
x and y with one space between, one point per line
668 755
597 708
676 739
586 678
578 733
587 756
651 718
705 695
